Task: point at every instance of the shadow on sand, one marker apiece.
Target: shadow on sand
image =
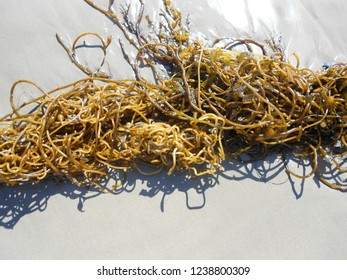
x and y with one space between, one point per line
16 202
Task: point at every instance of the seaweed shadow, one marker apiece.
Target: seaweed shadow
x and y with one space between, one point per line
17 202
274 171
194 188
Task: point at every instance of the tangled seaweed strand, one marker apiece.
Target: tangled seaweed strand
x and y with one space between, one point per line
95 124
230 96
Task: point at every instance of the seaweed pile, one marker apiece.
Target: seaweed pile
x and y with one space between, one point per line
218 100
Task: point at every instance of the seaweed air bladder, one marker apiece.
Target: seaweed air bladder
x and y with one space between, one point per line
217 101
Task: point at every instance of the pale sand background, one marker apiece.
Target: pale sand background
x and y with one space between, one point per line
241 215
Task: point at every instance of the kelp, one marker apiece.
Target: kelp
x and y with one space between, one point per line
217 100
